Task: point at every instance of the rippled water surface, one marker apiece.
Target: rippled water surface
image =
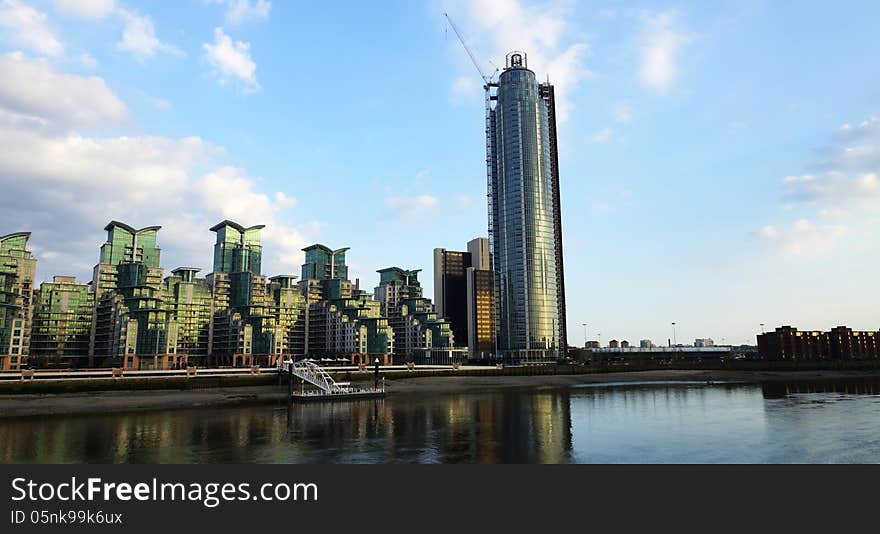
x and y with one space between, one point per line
642 423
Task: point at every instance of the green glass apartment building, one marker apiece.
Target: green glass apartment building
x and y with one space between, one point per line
341 320
17 272
62 323
417 326
131 326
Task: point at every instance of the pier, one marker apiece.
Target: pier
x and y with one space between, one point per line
324 387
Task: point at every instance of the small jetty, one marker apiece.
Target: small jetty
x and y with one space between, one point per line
322 387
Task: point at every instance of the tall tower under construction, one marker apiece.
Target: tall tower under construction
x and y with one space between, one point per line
525 229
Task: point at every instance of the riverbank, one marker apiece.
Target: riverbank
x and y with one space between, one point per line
101 402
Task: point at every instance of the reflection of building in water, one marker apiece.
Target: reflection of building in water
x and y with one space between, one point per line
499 427
858 386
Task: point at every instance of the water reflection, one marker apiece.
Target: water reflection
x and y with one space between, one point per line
655 423
505 427
855 386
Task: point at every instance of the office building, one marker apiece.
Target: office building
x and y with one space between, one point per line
62 323
524 215
646 344
450 289
480 314
17 271
704 342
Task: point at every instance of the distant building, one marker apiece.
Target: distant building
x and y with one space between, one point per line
481 314
593 345
481 319
841 343
646 344
614 344
624 344
450 289
464 294
706 342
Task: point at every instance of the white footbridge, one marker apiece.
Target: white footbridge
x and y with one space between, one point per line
327 387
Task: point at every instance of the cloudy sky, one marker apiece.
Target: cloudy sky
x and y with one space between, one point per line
719 159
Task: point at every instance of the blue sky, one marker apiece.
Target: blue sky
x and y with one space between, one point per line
719 159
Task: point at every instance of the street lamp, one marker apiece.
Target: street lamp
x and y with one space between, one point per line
674 341
585 335
762 328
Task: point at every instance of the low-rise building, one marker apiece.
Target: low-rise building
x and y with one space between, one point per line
841 343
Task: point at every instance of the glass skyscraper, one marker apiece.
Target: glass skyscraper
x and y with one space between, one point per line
524 218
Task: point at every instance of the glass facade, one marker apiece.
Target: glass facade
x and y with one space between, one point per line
62 322
237 249
17 271
324 263
522 219
450 289
415 322
189 299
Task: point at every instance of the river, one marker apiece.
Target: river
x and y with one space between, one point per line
607 423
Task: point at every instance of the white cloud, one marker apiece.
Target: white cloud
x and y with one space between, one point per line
89 9
464 201
660 45
53 178
88 61
804 238
240 11
497 27
159 104
410 207
28 28
232 61
842 193
139 37
623 112
34 91
602 136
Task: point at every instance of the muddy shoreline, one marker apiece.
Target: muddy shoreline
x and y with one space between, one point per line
14 406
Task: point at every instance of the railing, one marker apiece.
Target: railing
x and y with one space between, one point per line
313 374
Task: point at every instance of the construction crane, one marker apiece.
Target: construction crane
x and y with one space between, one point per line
487 80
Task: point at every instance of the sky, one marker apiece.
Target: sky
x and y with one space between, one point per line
719 160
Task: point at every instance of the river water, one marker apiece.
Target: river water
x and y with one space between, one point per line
610 423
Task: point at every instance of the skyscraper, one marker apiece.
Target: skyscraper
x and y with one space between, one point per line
524 223
548 94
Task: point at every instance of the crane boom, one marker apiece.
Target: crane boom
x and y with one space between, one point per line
486 79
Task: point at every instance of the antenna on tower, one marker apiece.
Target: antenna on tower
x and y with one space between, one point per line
488 81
